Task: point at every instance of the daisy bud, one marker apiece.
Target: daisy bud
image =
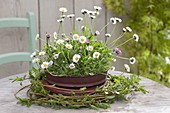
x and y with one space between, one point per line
83 28
70 16
87 41
63 35
92 17
60 20
113 20
91 13
107 35
63 10
97 8
48 35
117 51
127 68
97 33
118 19
84 11
63 16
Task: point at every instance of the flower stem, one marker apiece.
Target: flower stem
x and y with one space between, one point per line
124 58
114 41
104 27
124 42
59 29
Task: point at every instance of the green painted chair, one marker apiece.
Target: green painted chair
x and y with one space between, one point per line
30 24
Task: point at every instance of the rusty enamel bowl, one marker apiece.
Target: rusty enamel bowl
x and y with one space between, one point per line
75 81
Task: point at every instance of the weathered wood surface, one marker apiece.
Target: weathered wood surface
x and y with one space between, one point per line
156 101
47 13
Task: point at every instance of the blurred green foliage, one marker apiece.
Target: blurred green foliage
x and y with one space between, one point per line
150 19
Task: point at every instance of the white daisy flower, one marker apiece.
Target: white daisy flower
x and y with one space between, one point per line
84 11
76 58
72 66
136 37
63 10
92 17
118 19
124 30
167 60
42 53
91 13
79 19
75 37
96 55
128 29
44 65
96 12
60 41
108 35
69 46
82 39
56 56
55 35
127 68
51 63
63 16
70 16
89 48
113 20
35 60
97 8
33 54
60 20
37 37
132 60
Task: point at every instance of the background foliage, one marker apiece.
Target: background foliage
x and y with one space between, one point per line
151 20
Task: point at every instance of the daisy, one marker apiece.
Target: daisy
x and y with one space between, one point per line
56 56
127 68
75 37
50 63
113 20
91 13
132 60
55 35
37 37
44 65
84 11
76 58
97 8
79 19
60 20
63 16
33 54
60 41
42 53
118 19
70 16
72 66
69 46
97 33
35 60
114 60
82 39
124 30
63 10
136 37
128 29
96 12
92 17
96 55
83 28
117 51
108 35
89 48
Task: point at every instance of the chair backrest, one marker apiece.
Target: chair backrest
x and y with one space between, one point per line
30 24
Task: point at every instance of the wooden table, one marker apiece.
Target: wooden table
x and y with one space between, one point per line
156 101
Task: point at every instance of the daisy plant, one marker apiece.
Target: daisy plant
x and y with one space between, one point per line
80 52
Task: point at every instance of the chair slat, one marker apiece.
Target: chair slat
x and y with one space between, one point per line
14 22
14 57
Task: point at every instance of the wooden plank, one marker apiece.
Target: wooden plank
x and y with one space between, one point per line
89 5
49 13
15 39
